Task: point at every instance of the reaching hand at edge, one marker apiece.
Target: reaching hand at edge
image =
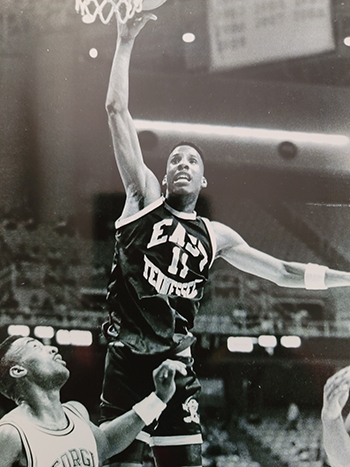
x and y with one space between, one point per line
164 378
336 394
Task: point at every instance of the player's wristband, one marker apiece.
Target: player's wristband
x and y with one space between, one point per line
150 408
314 277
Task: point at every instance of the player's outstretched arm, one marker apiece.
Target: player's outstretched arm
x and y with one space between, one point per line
232 248
335 434
140 183
114 436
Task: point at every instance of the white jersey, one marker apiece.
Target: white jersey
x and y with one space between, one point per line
73 446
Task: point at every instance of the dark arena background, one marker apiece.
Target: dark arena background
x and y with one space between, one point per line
274 127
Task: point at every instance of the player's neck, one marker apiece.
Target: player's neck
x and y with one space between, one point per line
45 410
182 203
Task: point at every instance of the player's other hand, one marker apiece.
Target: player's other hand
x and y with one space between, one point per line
335 394
129 30
164 378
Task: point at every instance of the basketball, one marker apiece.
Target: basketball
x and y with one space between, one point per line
148 5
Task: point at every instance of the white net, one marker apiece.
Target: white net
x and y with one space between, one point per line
106 9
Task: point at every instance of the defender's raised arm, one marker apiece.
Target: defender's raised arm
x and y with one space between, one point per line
336 428
114 436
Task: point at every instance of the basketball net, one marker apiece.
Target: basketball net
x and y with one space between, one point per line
106 9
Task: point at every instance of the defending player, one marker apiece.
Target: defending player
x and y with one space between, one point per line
41 432
336 428
162 258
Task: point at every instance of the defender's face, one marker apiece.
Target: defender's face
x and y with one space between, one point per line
43 364
185 171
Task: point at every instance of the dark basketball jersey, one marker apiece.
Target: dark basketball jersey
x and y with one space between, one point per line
160 267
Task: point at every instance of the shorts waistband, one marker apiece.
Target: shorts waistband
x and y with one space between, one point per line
181 349
185 352
176 440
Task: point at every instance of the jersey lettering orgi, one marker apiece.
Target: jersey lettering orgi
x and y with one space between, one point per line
160 267
75 457
72 447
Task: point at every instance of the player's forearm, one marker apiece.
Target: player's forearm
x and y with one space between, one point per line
336 442
313 277
121 431
335 278
117 99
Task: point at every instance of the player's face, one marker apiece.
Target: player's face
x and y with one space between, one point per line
185 171
43 364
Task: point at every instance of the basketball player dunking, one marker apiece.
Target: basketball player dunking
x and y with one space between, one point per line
162 258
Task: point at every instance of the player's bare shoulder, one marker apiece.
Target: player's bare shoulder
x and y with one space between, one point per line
225 237
11 447
138 199
80 408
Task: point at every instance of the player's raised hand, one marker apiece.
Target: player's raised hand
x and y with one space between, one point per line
336 393
129 30
164 378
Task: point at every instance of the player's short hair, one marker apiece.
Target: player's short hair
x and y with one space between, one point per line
7 383
192 145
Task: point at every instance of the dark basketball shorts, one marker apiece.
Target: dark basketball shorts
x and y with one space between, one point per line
128 379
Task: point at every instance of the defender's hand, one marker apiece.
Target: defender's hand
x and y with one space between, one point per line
335 394
164 378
